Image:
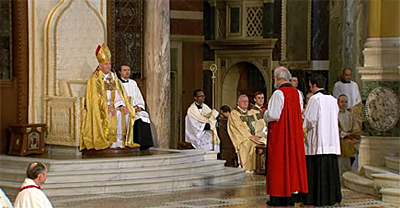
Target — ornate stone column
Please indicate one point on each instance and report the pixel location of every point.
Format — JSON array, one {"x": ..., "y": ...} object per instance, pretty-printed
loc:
[
  {"x": 347, "y": 34},
  {"x": 335, "y": 41},
  {"x": 157, "y": 69},
  {"x": 380, "y": 84}
]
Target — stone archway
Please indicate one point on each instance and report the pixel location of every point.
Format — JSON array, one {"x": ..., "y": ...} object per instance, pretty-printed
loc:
[{"x": 238, "y": 79}]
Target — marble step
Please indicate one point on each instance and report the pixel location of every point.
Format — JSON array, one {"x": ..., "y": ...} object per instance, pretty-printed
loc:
[
  {"x": 386, "y": 180},
  {"x": 392, "y": 162},
  {"x": 118, "y": 186},
  {"x": 391, "y": 195},
  {"x": 369, "y": 170},
  {"x": 71, "y": 176},
  {"x": 359, "y": 183},
  {"x": 55, "y": 165}
]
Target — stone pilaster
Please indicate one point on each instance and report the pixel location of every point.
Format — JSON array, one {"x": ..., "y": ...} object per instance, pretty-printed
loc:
[
  {"x": 348, "y": 29},
  {"x": 157, "y": 69},
  {"x": 380, "y": 83},
  {"x": 268, "y": 19},
  {"x": 335, "y": 41}
]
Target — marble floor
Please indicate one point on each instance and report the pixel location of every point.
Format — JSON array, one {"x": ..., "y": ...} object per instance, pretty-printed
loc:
[{"x": 248, "y": 192}]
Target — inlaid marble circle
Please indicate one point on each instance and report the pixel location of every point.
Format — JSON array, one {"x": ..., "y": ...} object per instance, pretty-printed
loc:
[{"x": 382, "y": 108}]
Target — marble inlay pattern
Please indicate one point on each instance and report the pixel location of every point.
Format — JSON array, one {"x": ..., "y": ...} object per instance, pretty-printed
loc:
[
  {"x": 247, "y": 192},
  {"x": 382, "y": 108},
  {"x": 368, "y": 87},
  {"x": 157, "y": 69},
  {"x": 320, "y": 30}
]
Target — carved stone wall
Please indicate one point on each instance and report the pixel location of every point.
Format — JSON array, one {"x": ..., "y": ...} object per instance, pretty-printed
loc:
[
  {"x": 228, "y": 55},
  {"x": 380, "y": 76},
  {"x": 62, "y": 58}
]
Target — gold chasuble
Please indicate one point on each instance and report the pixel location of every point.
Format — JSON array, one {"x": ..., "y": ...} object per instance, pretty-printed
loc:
[
  {"x": 99, "y": 128},
  {"x": 356, "y": 111},
  {"x": 350, "y": 133},
  {"x": 261, "y": 122},
  {"x": 241, "y": 127}
]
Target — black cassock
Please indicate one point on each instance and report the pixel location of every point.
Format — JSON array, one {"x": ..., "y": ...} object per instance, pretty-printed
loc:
[{"x": 142, "y": 134}]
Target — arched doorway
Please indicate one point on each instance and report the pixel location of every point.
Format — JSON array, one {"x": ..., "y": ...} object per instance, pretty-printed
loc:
[{"x": 242, "y": 78}]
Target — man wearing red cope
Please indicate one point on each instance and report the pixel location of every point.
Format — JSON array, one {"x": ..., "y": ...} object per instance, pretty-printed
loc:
[{"x": 286, "y": 172}]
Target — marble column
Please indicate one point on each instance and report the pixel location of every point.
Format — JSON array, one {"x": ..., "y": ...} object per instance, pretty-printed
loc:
[
  {"x": 335, "y": 41},
  {"x": 380, "y": 79},
  {"x": 354, "y": 34},
  {"x": 320, "y": 30},
  {"x": 347, "y": 36},
  {"x": 157, "y": 69},
  {"x": 268, "y": 19},
  {"x": 296, "y": 48}
]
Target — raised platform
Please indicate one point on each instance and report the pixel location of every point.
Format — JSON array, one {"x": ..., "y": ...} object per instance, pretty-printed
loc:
[
  {"x": 163, "y": 169},
  {"x": 111, "y": 152}
]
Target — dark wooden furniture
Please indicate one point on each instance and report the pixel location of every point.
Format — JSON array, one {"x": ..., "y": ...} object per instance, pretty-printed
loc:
[
  {"x": 27, "y": 139},
  {"x": 112, "y": 152},
  {"x": 260, "y": 159}
]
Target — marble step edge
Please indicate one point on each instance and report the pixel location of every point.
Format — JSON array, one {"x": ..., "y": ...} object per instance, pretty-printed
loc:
[
  {"x": 368, "y": 170},
  {"x": 121, "y": 170},
  {"x": 392, "y": 162},
  {"x": 358, "y": 183},
  {"x": 391, "y": 195},
  {"x": 122, "y": 182},
  {"x": 147, "y": 172},
  {"x": 386, "y": 180},
  {"x": 393, "y": 158},
  {"x": 99, "y": 163},
  {"x": 130, "y": 185},
  {"x": 391, "y": 191},
  {"x": 170, "y": 183},
  {"x": 387, "y": 176},
  {"x": 174, "y": 154}
]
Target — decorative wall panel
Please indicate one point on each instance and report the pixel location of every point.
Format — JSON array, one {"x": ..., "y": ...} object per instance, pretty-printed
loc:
[
  {"x": 128, "y": 36},
  {"x": 64, "y": 120},
  {"x": 5, "y": 40},
  {"x": 254, "y": 21}
]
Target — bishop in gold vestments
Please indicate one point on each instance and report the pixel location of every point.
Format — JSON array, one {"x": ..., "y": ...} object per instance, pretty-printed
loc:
[
  {"x": 246, "y": 131},
  {"x": 108, "y": 120}
]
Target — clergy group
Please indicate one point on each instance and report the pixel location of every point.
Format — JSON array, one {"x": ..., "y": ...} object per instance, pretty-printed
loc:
[
  {"x": 306, "y": 149},
  {"x": 300, "y": 168}
]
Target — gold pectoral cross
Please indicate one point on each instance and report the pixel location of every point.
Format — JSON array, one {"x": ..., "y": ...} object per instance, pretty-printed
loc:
[
  {"x": 110, "y": 83},
  {"x": 248, "y": 120}
]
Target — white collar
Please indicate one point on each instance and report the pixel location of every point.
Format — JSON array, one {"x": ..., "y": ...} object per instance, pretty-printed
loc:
[
  {"x": 259, "y": 107},
  {"x": 244, "y": 111}
]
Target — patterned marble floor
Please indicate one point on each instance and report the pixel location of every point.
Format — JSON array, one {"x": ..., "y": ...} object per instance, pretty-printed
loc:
[{"x": 248, "y": 192}]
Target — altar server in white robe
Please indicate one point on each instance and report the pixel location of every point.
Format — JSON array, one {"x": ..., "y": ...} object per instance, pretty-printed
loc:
[
  {"x": 200, "y": 124},
  {"x": 142, "y": 130},
  {"x": 322, "y": 145},
  {"x": 350, "y": 89},
  {"x": 30, "y": 194},
  {"x": 4, "y": 201}
]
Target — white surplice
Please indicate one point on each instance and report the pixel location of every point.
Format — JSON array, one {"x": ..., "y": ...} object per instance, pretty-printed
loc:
[
  {"x": 350, "y": 90},
  {"x": 321, "y": 122},
  {"x": 31, "y": 197},
  {"x": 195, "y": 121},
  {"x": 4, "y": 201},
  {"x": 135, "y": 96},
  {"x": 117, "y": 103},
  {"x": 275, "y": 106}
]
